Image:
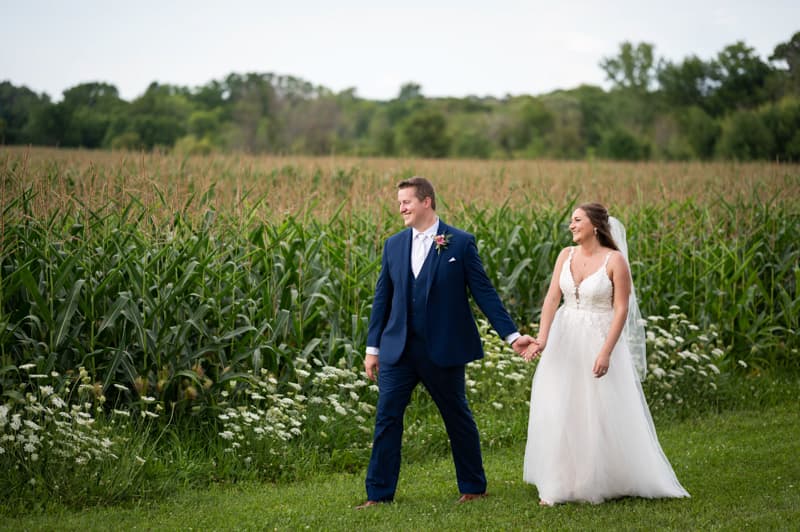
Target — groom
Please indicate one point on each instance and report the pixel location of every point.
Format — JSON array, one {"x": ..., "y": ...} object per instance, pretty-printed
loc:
[{"x": 422, "y": 329}]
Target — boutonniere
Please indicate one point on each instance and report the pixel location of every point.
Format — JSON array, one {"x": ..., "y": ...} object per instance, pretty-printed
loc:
[{"x": 441, "y": 241}]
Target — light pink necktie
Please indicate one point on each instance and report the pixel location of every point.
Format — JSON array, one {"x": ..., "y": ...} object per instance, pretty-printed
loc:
[{"x": 418, "y": 253}]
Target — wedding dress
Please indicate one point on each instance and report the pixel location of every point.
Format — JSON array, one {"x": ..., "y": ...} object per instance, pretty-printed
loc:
[{"x": 591, "y": 439}]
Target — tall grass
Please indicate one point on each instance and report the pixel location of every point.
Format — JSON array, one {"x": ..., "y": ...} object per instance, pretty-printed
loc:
[
  {"x": 206, "y": 287},
  {"x": 141, "y": 289}
]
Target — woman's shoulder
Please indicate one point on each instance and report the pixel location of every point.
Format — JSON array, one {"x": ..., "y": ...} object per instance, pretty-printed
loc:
[
  {"x": 616, "y": 259},
  {"x": 614, "y": 254}
]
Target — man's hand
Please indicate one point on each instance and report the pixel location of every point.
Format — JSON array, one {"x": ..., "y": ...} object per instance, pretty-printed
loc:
[
  {"x": 371, "y": 366},
  {"x": 522, "y": 343}
]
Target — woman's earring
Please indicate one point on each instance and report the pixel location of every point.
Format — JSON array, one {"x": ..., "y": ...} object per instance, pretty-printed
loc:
[{"x": 595, "y": 231}]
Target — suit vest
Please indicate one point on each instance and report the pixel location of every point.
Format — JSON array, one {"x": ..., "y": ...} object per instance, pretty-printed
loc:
[{"x": 418, "y": 299}]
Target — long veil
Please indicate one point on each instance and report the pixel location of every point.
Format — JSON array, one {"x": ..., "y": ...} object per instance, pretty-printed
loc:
[{"x": 633, "y": 332}]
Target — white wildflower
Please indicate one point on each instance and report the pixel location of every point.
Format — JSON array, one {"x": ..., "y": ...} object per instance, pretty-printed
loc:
[{"x": 57, "y": 401}]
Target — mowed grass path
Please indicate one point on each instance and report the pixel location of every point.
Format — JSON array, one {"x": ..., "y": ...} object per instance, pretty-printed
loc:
[{"x": 741, "y": 468}]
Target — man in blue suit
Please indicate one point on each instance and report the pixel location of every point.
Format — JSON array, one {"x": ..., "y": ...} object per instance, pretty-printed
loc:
[{"x": 422, "y": 329}]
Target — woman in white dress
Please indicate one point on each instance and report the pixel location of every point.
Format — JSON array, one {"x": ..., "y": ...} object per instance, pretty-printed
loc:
[{"x": 590, "y": 433}]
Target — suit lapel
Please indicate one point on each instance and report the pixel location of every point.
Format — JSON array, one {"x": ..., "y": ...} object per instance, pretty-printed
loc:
[
  {"x": 405, "y": 259},
  {"x": 443, "y": 229}
]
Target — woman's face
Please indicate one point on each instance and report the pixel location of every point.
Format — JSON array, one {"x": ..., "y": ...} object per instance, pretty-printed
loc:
[{"x": 580, "y": 226}]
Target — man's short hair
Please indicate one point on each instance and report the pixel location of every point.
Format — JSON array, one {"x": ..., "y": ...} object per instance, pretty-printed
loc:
[{"x": 422, "y": 188}]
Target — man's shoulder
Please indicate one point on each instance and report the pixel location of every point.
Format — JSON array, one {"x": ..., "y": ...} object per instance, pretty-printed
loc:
[
  {"x": 397, "y": 236},
  {"x": 458, "y": 235},
  {"x": 445, "y": 228}
]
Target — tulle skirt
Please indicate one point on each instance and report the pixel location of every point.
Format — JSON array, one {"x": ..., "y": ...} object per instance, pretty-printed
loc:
[{"x": 591, "y": 439}]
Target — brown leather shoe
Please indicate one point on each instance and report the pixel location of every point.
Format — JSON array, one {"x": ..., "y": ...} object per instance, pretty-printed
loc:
[
  {"x": 466, "y": 497},
  {"x": 367, "y": 504}
]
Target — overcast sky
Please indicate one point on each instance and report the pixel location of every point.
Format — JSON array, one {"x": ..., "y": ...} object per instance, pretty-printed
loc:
[{"x": 449, "y": 47}]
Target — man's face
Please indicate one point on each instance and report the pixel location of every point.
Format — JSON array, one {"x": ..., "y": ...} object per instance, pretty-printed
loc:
[{"x": 412, "y": 209}]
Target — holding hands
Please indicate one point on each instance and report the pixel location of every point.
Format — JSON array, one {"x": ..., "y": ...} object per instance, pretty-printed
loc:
[
  {"x": 522, "y": 343},
  {"x": 534, "y": 349}
]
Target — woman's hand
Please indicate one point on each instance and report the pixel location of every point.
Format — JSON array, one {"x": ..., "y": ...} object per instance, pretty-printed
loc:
[
  {"x": 601, "y": 364},
  {"x": 534, "y": 349}
]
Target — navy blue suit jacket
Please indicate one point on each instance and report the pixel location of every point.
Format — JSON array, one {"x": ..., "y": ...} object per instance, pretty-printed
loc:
[{"x": 456, "y": 271}]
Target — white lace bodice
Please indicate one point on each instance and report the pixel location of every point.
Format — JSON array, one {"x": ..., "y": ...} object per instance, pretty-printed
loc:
[{"x": 593, "y": 294}]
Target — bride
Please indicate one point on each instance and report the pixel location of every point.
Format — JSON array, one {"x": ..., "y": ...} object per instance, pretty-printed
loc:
[{"x": 590, "y": 434}]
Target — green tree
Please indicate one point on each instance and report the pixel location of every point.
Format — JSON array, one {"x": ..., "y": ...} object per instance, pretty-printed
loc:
[
  {"x": 783, "y": 121},
  {"x": 745, "y": 137},
  {"x": 685, "y": 84},
  {"x": 468, "y": 136},
  {"x": 566, "y": 140},
  {"x": 18, "y": 105},
  {"x": 740, "y": 77},
  {"x": 701, "y": 131},
  {"x": 159, "y": 116},
  {"x": 596, "y": 114},
  {"x": 632, "y": 68},
  {"x": 424, "y": 133},
  {"x": 623, "y": 145},
  {"x": 789, "y": 53}
]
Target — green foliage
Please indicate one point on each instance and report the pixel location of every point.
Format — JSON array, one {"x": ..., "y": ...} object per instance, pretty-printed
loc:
[
  {"x": 701, "y": 131},
  {"x": 262, "y": 113},
  {"x": 789, "y": 52},
  {"x": 18, "y": 106},
  {"x": 228, "y": 345},
  {"x": 740, "y": 77},
  {"x": 622, "y": 145},
  {"x": 745, "y": 137},
  {"x": 685, "y": 84},
  {"x": 633, "y": 68},
  {"x": 783, "y": 121},
  {"x": 424, "y": 134},
  {"x": 760, "y": 440}
]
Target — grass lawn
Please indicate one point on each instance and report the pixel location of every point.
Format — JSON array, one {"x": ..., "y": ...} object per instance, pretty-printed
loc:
[{"x": 741, "y": 468}]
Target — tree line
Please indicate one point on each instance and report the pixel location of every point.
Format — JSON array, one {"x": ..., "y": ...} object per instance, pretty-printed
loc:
[{"x": 732, "y": 106}]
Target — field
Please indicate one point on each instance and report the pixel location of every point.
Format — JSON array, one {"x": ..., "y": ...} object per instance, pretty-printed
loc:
[{"x": 160, "y": 314}]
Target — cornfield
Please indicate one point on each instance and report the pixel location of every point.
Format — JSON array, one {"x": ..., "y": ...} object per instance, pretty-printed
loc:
[{"x": 164, "y": 274}]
